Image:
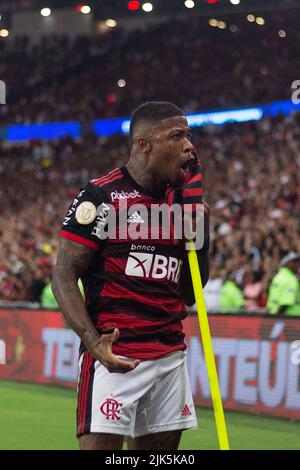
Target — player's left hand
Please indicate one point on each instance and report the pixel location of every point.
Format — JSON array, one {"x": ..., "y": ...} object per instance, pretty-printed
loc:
[{"x": 101, "y": 350}]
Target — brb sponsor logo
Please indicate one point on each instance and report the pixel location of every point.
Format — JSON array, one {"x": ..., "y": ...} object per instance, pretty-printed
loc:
[
  {"x": 111, "y": 409},
  {"x": 153, "y": 266},
  {"x": 118, "y": 195}
]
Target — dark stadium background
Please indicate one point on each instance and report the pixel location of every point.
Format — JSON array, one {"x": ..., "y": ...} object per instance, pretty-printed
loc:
[{"x": 216, "y": 56}]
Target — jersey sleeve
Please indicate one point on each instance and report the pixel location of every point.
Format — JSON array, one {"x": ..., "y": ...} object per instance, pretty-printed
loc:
[{"x": 81, "y": 223}]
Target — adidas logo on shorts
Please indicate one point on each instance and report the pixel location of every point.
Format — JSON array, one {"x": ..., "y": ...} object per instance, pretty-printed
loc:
[{"x": 185, "y": 411}]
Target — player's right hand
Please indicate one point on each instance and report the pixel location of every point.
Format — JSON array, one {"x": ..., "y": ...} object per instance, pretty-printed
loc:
[
  {"x": 190, "y": 192},
  {"x": 102, "y": 352},
  {"x": 189, "y": 196}
]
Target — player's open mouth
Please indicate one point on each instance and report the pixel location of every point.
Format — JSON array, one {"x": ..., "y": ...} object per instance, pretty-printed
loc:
[{"x": 185, "y": 167}]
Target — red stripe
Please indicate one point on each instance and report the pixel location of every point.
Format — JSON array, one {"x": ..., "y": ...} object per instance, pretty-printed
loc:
[
  {"x": 150, "y": 350},
  {"x": 80, "y": 240},
  {"x": 114, "y": 264},
  {"x": 118, "y": 177},
  {"x": 109, "y": 175},
  {"x": 196, "y": 176},
  {"x": 85, "y": 398},
  {"x": 107, "y": 179},
  {"x": 193, "y": 192},
  {"x": 116, "y": 290}
]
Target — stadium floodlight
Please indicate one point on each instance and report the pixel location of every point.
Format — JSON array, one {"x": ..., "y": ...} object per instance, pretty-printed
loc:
[
  {"x": 208, "y": 348},
  {"x": 213, "y": 22},
  {"x": 189, "y": 3},
  {"x": 222, "y": 25},
  {"x": 111, "y": 23},
  {"x": 45, "y": 11},
  {"x": 85, "y": 9},
  {"x": 147, "y": 7},
  {"x": 4, "y": 33},
  {"x": 260, "y": 21}
]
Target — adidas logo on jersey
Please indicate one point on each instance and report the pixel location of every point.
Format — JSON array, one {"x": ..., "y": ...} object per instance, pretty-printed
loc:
[
  {"x": 153, "y": 266},
  {"x": 135, "y": 218}
]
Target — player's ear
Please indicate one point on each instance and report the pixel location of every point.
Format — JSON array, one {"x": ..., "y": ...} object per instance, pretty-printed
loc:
[{"x": 144, "y": 144}]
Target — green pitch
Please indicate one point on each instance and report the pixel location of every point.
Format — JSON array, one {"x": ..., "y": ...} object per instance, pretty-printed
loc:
[{"x": 43, "y": 417}]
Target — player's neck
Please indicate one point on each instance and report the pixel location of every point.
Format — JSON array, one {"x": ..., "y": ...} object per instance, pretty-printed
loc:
[{"x": 144, "y": 177}]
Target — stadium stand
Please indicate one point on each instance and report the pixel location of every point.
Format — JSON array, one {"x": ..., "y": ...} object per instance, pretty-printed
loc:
[{"x": 214, "y": 68}]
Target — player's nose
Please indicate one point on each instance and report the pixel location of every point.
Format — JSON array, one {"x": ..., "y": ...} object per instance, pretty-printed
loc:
[{"x": 188, "y": 146}]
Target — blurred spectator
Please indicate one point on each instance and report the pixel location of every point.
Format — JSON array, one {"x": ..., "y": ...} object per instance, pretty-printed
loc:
[
  {"x": 48, "y": 300},
  {"x": 231, "y": 297},
  {"x": 37, "y": 286},
  {"x": 284, "y": 294},
  {"x": 253, "y": 290},
  {"x": 212, "y": 290}
]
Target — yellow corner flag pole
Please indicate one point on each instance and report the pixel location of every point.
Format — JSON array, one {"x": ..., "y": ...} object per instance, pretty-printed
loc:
[{"x": 208, "y": 348}]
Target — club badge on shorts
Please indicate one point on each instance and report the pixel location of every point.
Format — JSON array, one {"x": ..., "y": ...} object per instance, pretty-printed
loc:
[
  {"x": 111, "y": 409},
  {"x": 85, "y": 213}
]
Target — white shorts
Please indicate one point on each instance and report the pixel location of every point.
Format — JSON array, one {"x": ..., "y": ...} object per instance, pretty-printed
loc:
[{"x": 154, "y": 397}]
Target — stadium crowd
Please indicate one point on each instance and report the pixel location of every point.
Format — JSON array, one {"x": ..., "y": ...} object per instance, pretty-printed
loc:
[
  {"x": 199, "y": 67},
  {"x": 251, "y": 183}
]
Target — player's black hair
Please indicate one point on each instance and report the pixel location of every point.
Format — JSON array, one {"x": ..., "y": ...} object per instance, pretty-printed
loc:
[{"x": 153, "y": 112}]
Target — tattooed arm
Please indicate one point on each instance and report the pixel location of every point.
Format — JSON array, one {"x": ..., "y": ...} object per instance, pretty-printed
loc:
[{"x": 72, "y": 262}]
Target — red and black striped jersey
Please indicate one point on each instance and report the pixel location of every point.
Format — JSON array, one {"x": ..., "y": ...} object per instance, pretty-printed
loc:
[{"x": 133, "y": 282}]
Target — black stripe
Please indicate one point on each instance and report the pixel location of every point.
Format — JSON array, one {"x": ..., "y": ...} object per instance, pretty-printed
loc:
[
  {"x": 143, "y": 336},
  {"x": 139, "y": 310},
  {"x": 192, "y": 199}
]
